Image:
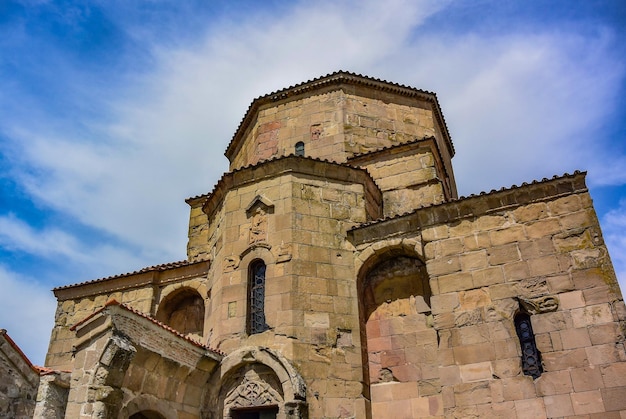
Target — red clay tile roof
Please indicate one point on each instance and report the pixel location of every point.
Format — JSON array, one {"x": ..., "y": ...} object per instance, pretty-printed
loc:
[
  {"x": 17, "y": 349},
  {"x": 220, "y": 183},
  {"x": 39, "y": 370},
  {"x": 339, "y": 77},
  {"x": 155, "y": 268},
  {"x": 152, "y": 320},
  {"x": 461, "y": 198}
]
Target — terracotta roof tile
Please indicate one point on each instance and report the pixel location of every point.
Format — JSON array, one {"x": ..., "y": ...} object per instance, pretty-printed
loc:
[
  {"x": 270, "y": 160},
  {"x": 17, "y": 349},
  {"x": 154, "y": 268},
  {"x": 335, "y": 78},
  {"x": 152, "y": 320},
  {"x": 461, "y": 198}
]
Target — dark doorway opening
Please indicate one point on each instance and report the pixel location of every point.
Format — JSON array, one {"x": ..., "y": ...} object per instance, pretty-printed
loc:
[
  {"x": 146, "y": 414},
  {"x": 257, "y": 413}
]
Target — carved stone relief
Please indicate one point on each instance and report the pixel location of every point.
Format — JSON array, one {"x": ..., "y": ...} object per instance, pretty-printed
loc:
[
  {"x": 540, "y": 305},
  {"x": 534, "y": 296},
  {"x": 258, "y": 226},
  {"x": 284, "y": 253},
  {"x": 257, "y": 388},
  {"x": 231, "y": 263}
]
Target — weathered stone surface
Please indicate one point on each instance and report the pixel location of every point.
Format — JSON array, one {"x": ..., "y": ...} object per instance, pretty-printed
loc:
[{"x": 380, "y": 293}]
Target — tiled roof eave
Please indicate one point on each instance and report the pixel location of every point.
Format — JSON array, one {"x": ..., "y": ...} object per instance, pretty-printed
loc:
[
  {"x": 493, "y": 192},
  {"x": 155, "y": 268},
  {"x": 127, "y": 308},
  {"x": 216, "y": 196},
  {"x": 337, "y": 79}
]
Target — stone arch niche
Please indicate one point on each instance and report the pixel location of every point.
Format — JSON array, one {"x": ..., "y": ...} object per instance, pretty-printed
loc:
[
  {"x": 398, "y": 341},
  {"x": 183, "y": 310},
  {"x": 147, "y": 406},
  {"x": 255, "y": 382}
]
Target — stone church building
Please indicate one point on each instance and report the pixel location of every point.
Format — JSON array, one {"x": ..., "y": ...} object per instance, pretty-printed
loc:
[{"x": 333, "y": 272}]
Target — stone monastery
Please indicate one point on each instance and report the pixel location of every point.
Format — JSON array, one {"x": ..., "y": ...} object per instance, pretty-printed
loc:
[{"x": 333, "y": 272}]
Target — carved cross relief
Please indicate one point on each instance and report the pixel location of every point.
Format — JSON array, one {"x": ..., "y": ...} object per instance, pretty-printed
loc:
[{"x": 252, "y": 392}]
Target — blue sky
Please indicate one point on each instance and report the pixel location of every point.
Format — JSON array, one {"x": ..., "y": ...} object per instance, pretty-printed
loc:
[{"x": 113, "y": 112}]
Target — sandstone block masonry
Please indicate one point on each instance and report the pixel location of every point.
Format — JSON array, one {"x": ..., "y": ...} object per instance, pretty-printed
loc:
[{"x": 333, "y": 272}]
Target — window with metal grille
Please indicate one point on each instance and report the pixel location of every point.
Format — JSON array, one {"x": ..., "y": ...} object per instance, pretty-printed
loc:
[
  {"x": 256, "y": 298},
  {"x": 531, "y": 357},
  {"x": 299, "y": 148}
]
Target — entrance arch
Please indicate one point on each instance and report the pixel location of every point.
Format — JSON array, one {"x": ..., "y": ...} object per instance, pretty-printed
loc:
[{"x": 255, "y": 383}]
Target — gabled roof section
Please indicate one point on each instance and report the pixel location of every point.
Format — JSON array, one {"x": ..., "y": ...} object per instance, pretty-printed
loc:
[
  {"x": 115, "y": 307},
  {"x": 335, "y": 81},
  {"x": 12, "y": 352}
]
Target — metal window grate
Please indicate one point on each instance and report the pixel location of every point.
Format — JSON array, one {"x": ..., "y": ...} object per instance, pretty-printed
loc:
[
  {"x": 531, "y": 357},
  {"x": 256, "y": 323}
]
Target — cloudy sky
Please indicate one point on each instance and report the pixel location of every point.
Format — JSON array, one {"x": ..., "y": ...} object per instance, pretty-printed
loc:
[{"x": 113, "y": 112}]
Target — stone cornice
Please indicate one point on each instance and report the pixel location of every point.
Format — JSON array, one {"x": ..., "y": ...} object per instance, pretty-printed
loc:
[
  {"x": 384, "y": 153},
  {"x": 315, "y": 168},
  {"x": 472, "y": 206},
  {"x": 335, "y": 81},
  {"x": 159, "y": 274}
]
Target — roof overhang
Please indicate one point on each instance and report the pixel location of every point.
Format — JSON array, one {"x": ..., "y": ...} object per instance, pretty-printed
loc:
[{"x": 340, "y": 80}]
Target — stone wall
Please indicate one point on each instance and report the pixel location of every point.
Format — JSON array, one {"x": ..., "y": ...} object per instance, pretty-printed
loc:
[
  {"x": 142, "y": 290},
  {"x": 311, "y": 306},
  {"x": 410, "y": 175},
  {"x": 334, "y": 126},
  {"x": 537, "y": 249},
  {"x": 384, "y": 295},
  {"x": 18, "y": 381}
]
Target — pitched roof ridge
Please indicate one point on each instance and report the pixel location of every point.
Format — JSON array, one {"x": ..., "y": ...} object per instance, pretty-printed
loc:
[{"x": 3, "y": 332}]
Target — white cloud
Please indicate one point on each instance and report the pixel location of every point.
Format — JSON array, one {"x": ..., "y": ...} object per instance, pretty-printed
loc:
[
  {"x": 55, "y": 244},
  {"x": 520, "y": 106},
  {"x": 17, "y": 235},
  {"x": 29, "y": 318},
  {"x": 165, "y": 143}
]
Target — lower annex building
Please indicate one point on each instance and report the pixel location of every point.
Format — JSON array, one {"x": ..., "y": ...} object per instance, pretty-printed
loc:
[{"x": 333, "y": 272}]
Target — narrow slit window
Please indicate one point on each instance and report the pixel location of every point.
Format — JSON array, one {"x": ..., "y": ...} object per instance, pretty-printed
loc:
[
  {"x": 299, "y": 148},
  {"x": 256, "y": 298},
  {"x": 531, "y": 357}
]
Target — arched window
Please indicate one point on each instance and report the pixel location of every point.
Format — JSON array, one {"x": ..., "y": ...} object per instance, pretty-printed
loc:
[
  {"x": 183, "y": 310},
  {"x": 299, "y": 148},
  {"x": 531, "y": 357},
  {"x": 256, "y": 298}
]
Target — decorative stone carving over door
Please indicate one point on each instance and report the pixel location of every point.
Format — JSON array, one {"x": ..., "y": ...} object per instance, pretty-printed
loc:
[
  {"x": 252, "y": 392},
  {"x": 255, "y": 382}
]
